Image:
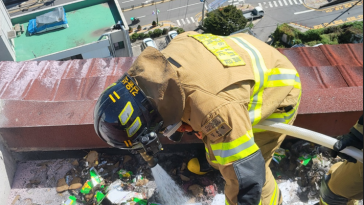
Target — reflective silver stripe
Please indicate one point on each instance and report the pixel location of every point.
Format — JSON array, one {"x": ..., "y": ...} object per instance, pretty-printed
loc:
[
  {"x": 297, "y": 79},
  {"x": 261, "y": 76},
  {"x": 277, "y": 119},
  {"x": 234, "y": 151},
  {"x": 284, "y": 77}
]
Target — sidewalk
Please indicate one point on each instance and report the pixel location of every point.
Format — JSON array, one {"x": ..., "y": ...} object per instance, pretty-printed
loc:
[
  {"x": 317, "y": 4},
  {"x": 149, "y": 27}
]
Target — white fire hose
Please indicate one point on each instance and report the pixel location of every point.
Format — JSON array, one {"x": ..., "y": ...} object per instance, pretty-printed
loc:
[{"x": 308, "y": 135}]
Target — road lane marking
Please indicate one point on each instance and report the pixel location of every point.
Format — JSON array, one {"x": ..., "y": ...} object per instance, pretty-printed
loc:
[
  {"x": 285, "y": 2},
  {"x": 188, "y": 21},
  {"x": 127, "y": 1},
  {"x": 295, "y": 1},
  {"x": 270, "y": 4},
  {"x": 140, "y": 17},
  {"x": 302, "y": 12},
  {"x": 301, "y": 1},
  {"x": 290, "y": 2},
  {"x": 193, "y": 20},
  {"x": 206, "y": 7},
  {"x": 260, "y": 5},
  {"x": 183, "y": 21},
  {"x": 236, "y": 3},
  {"x": 185, "y": 6},
  {"x": 275, "y": 4},
  {"x": 179, "y": 24},
  {"x": 280, "y": 3}
]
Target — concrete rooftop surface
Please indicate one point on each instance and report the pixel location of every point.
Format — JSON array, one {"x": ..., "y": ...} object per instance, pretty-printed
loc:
[
  {"x": 48, "y": 105},
  {"x": 86, "y": 25}
]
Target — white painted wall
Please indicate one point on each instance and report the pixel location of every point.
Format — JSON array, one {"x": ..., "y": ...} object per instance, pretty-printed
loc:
[
  {"x": 99, "y": 53},
  {"x": 120, "y": 35},
  {"x": 7, "y": 52},
  {"x": 95, "y": 46}
]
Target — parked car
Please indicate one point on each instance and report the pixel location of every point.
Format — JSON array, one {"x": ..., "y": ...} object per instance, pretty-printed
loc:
[
  {"x": 257, "y": 12},
  {"x": 149, "y": 42},
  {"x": 172, "y": 35}
]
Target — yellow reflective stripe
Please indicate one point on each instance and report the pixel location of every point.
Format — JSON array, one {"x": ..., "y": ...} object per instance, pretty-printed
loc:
[
  {"x": 233, "y": 144},
  {"x": 226, "y": 202},
  {"x": 226, "y": 152},
  {"x": 217, "y": 46},
  {"x": 260, "y": 202},
  {"x": 242, "y": 154},
  {"x": 208, "y": 156},
  {"x": 285, "y": 117},
  {"x": 278, "y": 77},
  {"x": 322, "y": 201},
  {"x": 259, "y": 68},
  {"x": 112, "y": 98},
  {"x": 274, "y": 199},
  {"x": 282, "y": 83},
  {"x": 116, "y": 95}
]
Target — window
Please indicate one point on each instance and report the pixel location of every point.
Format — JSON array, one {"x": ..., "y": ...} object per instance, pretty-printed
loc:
[{"x": 119, "y": 45}]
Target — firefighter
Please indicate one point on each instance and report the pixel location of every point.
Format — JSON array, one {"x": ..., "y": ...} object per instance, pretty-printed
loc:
[
  {"x": 343, "y": 184},
  {"x": 218, "y": 87}
]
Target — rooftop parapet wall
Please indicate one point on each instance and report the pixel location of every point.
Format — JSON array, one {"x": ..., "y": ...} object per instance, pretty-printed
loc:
[
  {"x": 48, "y": 105},
  {"x": 72, "y": 6}
]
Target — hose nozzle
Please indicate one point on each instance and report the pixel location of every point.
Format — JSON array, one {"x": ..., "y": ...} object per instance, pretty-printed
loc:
[{"x": 152, "y": 162}]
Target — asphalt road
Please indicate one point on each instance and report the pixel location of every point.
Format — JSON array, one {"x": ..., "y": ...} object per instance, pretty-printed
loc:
[
  {"x": 297, "y": 13},
  {"x": 183, "y": 13}
]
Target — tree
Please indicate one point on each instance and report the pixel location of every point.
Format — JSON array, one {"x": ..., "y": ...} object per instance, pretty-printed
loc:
[
  {"x": 130, "y": 29},
  {"x": 224, "y": 21},
  {"x": 139, "y": 27},
  {"x": 165, "y": 31},
  {"x": 154, "y": 24}
]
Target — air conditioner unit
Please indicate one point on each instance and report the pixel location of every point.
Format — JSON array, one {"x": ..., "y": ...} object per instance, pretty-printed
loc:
[{"x": 11, "y": 34}]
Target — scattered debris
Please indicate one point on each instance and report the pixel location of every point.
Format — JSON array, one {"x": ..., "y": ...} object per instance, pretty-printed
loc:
[
  {"x": 197, "y": 190},
  {"x": 75, "y": 183},
  {"x": 100, "y": 179},
  {"x": 184, "y": 178},
  {"x": 62, "y": 185},
  {"x": 92, "y": 159}
]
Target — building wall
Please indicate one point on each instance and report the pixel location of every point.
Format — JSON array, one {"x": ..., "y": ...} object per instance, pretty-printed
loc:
[
  {"x": 88, "y": 50},
  {"x": 7, "y": 171},
  {"x": 7, "y": 52},
  {"x": 99, "y": 53},
  {"x": 122, "y": 36}
]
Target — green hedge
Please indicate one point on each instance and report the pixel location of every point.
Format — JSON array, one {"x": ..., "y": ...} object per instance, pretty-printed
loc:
[{"x": 331, "y": 35}]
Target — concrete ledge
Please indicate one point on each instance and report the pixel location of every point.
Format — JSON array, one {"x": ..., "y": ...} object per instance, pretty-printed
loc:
[{"x": 7, "y": 171}]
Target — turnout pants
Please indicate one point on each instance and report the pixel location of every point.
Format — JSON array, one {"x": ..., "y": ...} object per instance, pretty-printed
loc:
[{"x": 268, "y": 142}]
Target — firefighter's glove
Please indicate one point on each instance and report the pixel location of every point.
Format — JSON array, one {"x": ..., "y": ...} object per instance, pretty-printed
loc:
[{"x": 344, "y": 141}]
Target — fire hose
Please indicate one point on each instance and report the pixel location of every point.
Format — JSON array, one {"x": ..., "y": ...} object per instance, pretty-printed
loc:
[{"x": 308, "y": 135}]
